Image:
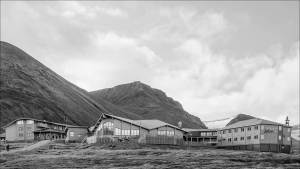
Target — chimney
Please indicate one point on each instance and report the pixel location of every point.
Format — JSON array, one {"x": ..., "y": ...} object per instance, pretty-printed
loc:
[{"x": 180, "y": 124}]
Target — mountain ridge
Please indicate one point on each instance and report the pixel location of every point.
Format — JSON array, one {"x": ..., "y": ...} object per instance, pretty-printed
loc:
[{"x": 148, "y": 102}]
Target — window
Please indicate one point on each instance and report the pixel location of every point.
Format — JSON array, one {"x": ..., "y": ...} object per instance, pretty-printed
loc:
[
  {"x": 288, "y": 139},
  {"x": 29, "y": 122},
  {"x": 256, "y": 127},
  {"x": 20, "y": 134},
  {"x": 72, "y": 134},
  {"x": 249, "y": 138},
  {"x": 229, "y": 131},
  {"x": 117, "y": 131},
  {"x": 262, "y": 127},
  {"x": 256, "y": 137},
  {"x": 235, "y": 139},
  {"x": 20, "y": 122},
  {"x": 203, "y": 134},
  {"x": 125, "y": 132},
  {"x": 29, "y": 134},
  {"x": 288, "y": 130},
  {"x": 242, "y": 138},
  {"x": 20, "y": 128},
  {"x": 29, "y": 128},
  {"x": 242, "y": 129},
  {"x": 236, "y": 130},
  {"x": 249, "y": 129},
  {"x": 262, "y": 137},
  {"x": 170, "y": 133},
  {"x": 279, "y": 137},
  {"x": 224, "y": 131},
  {"x": 135, "y": 132},
  {"x": 161, "y": 132},
  {"x": 214, "y": 133},
  {"x": 209, "y": 134},
  {"x": 108, "y": 128},
  {"x": 280, "y": 128},
  {"x": 229, "y": 139}
]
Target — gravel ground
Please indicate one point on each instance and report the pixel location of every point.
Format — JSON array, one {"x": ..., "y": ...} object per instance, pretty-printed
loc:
[{"x": 97, "y": 157}]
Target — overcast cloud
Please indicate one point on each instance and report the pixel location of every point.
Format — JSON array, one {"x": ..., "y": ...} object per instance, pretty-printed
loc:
[{"x": 218, "y": 59}]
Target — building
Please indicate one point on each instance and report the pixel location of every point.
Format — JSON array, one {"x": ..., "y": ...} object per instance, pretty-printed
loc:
[
  {"x": 147, "y": 130},
  {"x": 256, "y": 134},
  {"x": 200, "y": 137},
  {"x": 76, "y": 133},
  {"x": 29, "y": 129},
  {"x": 2, "y": 137}
]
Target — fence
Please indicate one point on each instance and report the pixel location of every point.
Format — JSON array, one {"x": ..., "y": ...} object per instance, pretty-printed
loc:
[{"x": 167, "y": 140}]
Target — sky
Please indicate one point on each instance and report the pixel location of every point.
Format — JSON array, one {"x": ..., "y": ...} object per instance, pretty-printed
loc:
[{"x": 218, "y": 59}]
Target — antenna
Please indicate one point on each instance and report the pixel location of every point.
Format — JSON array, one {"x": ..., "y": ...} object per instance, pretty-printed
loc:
[{"x": 287, "y": 121}]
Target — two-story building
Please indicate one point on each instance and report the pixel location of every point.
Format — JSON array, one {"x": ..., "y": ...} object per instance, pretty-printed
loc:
[
  {"x": 256, "y": 134},
  {"x": 29, "y": 129},
  {"x": 200, "y": 137}
]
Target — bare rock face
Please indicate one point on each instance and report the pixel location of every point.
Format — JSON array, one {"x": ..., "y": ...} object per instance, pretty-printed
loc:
[
  {"x": 30, "y": 89},
  {"x": 240, "y": 117},
  {"x": 149, "y": 103}
]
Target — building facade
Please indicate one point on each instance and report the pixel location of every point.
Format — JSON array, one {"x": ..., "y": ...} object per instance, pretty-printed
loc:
[
  {"x": 200, "y": 137},
  {"x": 146, "y": 130},
  {"x": 256, "y": 134},
  {"x": 29, "y": 129},
  {"x": 76, "y": 133}
]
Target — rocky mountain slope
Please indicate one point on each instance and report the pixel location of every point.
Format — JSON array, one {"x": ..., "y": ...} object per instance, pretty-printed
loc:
[
  {"x": 240, "y": 117},
  {"x": 30, "y": 89},
  {"x": 149, "y": 103}
]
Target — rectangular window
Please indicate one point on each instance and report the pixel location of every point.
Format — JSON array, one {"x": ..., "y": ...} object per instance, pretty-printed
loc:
[
  {"x": 29, "y": 128},
  {"x": 256, "y": 127},
  {"x": 209, "y": 134},
  {"x": 262, "y": 136},
  {"x": 256, "y": 137},
  {"x": 249, "y": 129},
  {"x": 235, "y": 139},
  {"x": 117, "y": 131},
  {"x": 280, "y": 128},
  {"x": 288, "y": 130},
  {"x": 229, "y": 131},
  {"x": 279, "y": 137},
  {"x": 72, "y": 134},
  {"x": 288, "y": 139},
  {"x": 203, "y": 134},
  {"x": 161, "y": 132},
  {"x": 20, "y": 134},
  {"x": 29, "y": 134},
  {"x": 29, "y": 122},
  {"x": 242, "y": 138},
  {"x": 236, "y": 130},
  {"x": 229, "y": 139},
  {"x": 249, "y": 138},
  {"x": 242, "y": 129},
  {"x": 20, "y": 128},
  {"x": 224, "y": 131},
  {"x": 20, "y": 122}
]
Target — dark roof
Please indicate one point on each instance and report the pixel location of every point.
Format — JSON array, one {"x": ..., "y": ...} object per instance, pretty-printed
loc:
[
  {"x": 146, "y": 124},
  {"x": 252, "y": 122},
  {"x": 25, "y": 118}
]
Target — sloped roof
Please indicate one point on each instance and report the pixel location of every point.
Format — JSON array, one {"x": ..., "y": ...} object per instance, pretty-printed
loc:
[
  {"x": 146, "y": 124},
  {"x": 252, "y": 122},
  {"x": 26, "y": 118}
]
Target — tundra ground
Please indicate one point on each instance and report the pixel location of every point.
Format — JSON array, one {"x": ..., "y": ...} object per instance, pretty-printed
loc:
[{"x": 145, "y": 157}]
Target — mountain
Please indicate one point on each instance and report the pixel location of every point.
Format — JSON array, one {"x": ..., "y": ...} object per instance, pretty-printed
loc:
[
  {"x": 240, "y": 117},
  {"x": 148, "y": 103},
  {"x": 30, "y": 89}
]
